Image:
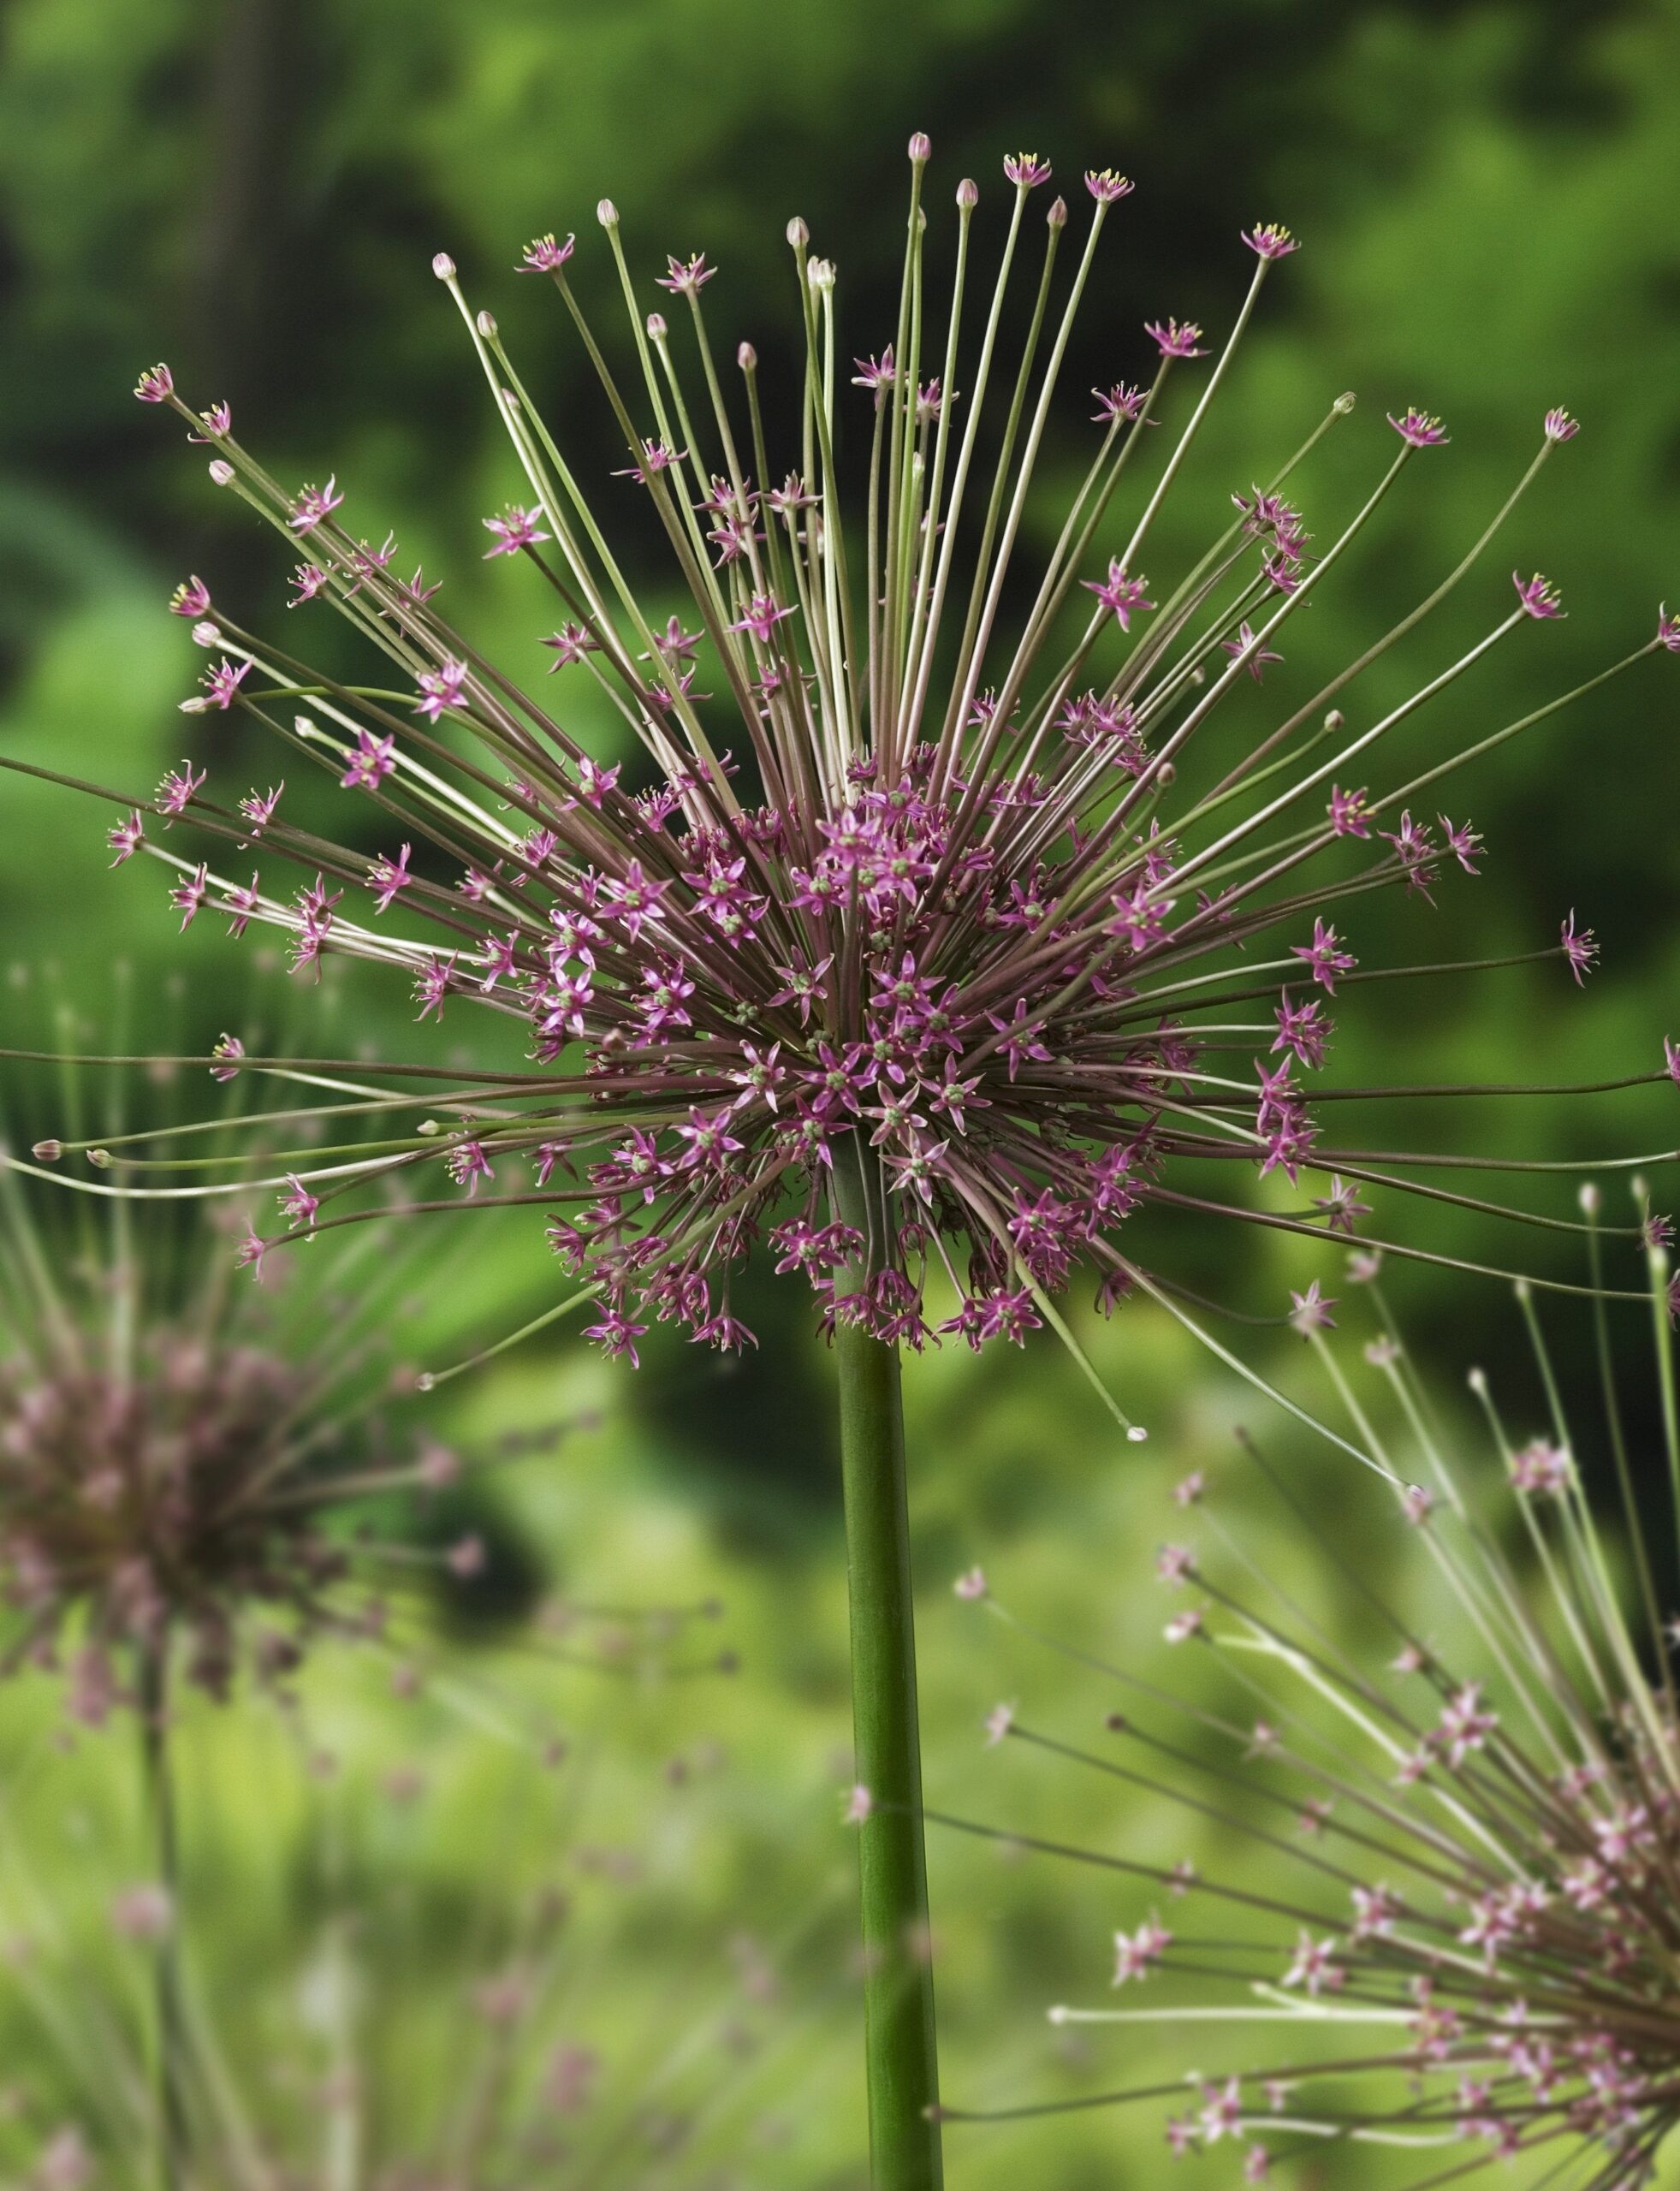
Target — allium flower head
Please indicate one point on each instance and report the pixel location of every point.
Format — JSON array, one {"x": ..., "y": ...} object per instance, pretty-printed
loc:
[
  {"x": 1270, "y": 240},
  {"x": 886, "y": 934},
  {"x": 180, "y": 1464},
  {"x": 1419, "y": 430},
  {"x": 1474, "y": 1934}
]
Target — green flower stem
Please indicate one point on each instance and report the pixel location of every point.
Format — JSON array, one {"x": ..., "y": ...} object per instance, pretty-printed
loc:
[
  {"x": 897, "y": 1985},
  {"x": 170, "y": 2037}
]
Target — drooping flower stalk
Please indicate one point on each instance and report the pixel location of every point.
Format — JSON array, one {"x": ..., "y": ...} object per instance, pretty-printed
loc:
[
  {"x": 983, "y": 902},
  {"x": 1460, "y": 1935}
]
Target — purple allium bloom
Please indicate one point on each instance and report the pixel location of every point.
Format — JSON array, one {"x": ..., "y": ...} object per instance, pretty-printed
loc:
[
  {"x": 440, "y": 688},
  {"x": 242, "y": 902},
  {"x": 308, "y": 578},
  {"x": 126, "y": 838},
  {"x": 387, "y": 878},
  {"x": 1324, "y": 956},
  {"x": 372, "y": 761},
  {"x": 515, "y": 529},
  {"x": 222, "y": 682},
  {"x": 1579, "y": 948},
  {"x": 1668, "y": 632},
  {"x": 191, "y": 598},
  {"x": 1350, "y": 812},
  {"x": 217, "y": 423},
  {"x": 906, "y": 922},
  {"x": 687, "y": 277},
  {"x": 1419, "y": 429},
  {"x": 761, "y": 617},
  {"x": 1269, "y": 240},
  {"x": 1464, "y": 844},
  {"x": 1176, "y": 339},
  {"x": 258, "y": 808},
  {"x": 656, "y": 456},
  {"x": 1671, "y": 1060},
  {"x": 1026, "y": 169},
  {"x": 1246, "y": 650},
  {"x": 177, "y": 789},
  {"x": 155, "y": 385},
  {"x": 1560, "y": 426},
  {"x": 313, "y": 505},
  {"x": 1124, "y": 596},
  {"x": 1105, "y": 187},
  {"x": 1537, "y": 596},
  {"x": 188, "y": 894},
  {"x": 544, "y": 256},
  {"x": 1120, "y": 403}
]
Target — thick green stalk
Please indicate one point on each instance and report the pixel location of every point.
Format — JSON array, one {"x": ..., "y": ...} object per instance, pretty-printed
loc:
[
  {"x": 170, "y": 2037},
  {"x": 898, "y": 1983}
]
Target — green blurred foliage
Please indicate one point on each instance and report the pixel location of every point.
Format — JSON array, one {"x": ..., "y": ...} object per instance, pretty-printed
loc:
[{"x": 254, "y": 191}]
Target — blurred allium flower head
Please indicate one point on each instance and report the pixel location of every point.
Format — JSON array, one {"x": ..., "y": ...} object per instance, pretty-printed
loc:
[
  {"x": 1456, "y": 1941},
  {"x": 193, "y": 1471},
  {"x": 951, "y": 885}
]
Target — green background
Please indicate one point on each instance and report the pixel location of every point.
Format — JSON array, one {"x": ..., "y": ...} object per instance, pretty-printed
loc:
[{"x": 1486, "y": 196}]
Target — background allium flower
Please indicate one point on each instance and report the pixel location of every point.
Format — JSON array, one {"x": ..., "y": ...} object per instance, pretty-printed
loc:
[
  {"x": 1464, "y": 1948},
  {"x": 906, "y": 941},
  {"x": 197, "y": 1479}
]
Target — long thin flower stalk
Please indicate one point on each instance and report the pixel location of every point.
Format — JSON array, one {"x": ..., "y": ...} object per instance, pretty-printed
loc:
[
  {"x": 169, "y": 2036},
  {"x": 930, "y": 836}
]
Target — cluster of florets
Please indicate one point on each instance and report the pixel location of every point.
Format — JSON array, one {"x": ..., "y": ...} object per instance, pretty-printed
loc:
[
  {"x": 919, "y": 984},
  {"x": 134, "y": 1510},
  {"x": 1471, "y": 1874}
]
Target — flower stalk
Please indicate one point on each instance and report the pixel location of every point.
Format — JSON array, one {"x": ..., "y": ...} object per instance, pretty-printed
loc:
[
  {"x": 170, "y": 2037},
  {"x": 898, "y": 1982}
]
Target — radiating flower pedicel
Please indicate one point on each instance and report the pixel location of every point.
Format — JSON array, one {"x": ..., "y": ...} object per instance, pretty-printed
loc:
[
  {"x": 911, "y": 924},
  {"x": 1458, "y": 1940}
]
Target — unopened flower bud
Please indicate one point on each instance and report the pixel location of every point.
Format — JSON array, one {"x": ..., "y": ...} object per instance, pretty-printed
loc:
[
  {"x": 655, "y": 327},
  {"x": 1590, "y": 1198},
  {"x": 1344, "y": 402},
  {"x": 921, "y": 148},
  {"x": 798, "y": 234},
  {"x": 1057, "y": 216},
  {"x": 100, "y": 1159},
  {"x": 486, "y": 324},
  {"x": 221, "y": 472},
  {"x": 606, "y": 213},
  {"x": 820, "y": 273},
  {"x": 1334, "y": 720},
  {"x": 968, "y": 193},
  {"x": 205, "y": 635},
  {"x": 47, "y": 1152},
  {"x": 443, "y": 266},
  {"x": 747, "y": 358}
]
